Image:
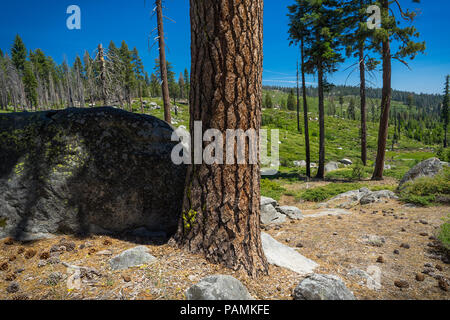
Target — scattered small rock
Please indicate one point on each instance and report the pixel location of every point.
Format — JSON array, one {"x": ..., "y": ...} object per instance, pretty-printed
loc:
[
  {"x": 107, "y": 242},
  {"x": 70, "y": 246},
  {"x": 423, "y": 221},
  {"x": 20, "y": 250},
  {"x": 92, "y": 251},
  {"x": 439, "y": 267},
  {"x": 396, "y": 251},
  {"x": 405, "y": 246},
  {"x": 54, "y": 278},
  {"x": 54, "y": 260},
  {"x": 12, "y": 258},
  {"x": 13, "y": 287},
  {"x": 423, "y": 234},
  {"x": 299, "y": 245},
  {"x": 420, "y": 277},
  {"x": 42, "y": 263},
  {"x": 428, "y": 270},
  {"x": 380, "y": 259},
  {"x": 105, "y": 253},
  {"x": 443, "y": 284}
]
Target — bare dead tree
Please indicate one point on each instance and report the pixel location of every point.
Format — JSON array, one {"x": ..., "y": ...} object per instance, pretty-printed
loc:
[{"x": 162, "y": 61}]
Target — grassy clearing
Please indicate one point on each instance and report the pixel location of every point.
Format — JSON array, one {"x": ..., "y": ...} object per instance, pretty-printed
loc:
[{"x": 277, "y": 188}]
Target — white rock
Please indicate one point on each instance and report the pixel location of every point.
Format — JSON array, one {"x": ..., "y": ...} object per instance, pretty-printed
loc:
[
  {"x": 283, "y": 256},
  {"x": 293, "y": 213}
]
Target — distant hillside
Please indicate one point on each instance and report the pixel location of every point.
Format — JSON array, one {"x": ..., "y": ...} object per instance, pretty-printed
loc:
[{"x": 429, "y": 102}]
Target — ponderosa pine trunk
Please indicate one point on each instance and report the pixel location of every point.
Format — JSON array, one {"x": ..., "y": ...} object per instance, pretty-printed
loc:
[
  {"x": 362, "y": 90},
  {"x": 305, "y": 111},
  {"x": 162, "y": 62},
  {"x": 385, "y": 105},
  {"x": 321, "y": 169},
  {"x": 221, "y": 209}
]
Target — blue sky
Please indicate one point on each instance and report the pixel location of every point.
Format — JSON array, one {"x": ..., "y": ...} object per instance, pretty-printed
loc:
[{"x": 42, "y": 24}]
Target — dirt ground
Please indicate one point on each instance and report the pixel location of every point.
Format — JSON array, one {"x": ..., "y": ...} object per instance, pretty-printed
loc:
[{"x": 334, "y": 242}]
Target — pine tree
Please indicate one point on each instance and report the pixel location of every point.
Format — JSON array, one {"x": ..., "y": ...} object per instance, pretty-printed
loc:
[
  {"x": 182, "y": 85},
  {"x": 391, "y": 30},
  {"x": 299, "y": 34},
  {"x": 321, "y": 22},
  {"x": 19, "y": 54},
  {"x": 444, "y": 114},
  {"x": 351, "y": 110},
  {"x": 129, "y": 76},
  {"x": 268, "y": 101},
  {"x": 291, "y": 101},
  {"x": 30, "y": 84},
  {"x": 155, "y": 87},
  {"x": 355, "y": 38},
  {"x": 186, "y": 82}
]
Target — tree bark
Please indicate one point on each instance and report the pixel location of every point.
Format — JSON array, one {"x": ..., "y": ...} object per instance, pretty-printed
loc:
[
  {"x": 222, "y": 202},
  {"x": 162, "y": 63},
  {"x": 305, "y": 112},
  {"x": 362, "y": 89},
  {"x": 321, "y": 169},
  {"x": 385, "y": 105}
]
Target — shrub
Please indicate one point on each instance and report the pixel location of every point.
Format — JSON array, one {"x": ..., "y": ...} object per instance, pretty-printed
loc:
[
  {"x": 271, "y": 189},
  {"x": 358, "y": 170},
  {"x": 424, "y": 191},
  {"x": 443, "y": 154}
]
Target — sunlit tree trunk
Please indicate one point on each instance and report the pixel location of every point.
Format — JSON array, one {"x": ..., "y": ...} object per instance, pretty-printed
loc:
[
  {"x": 162, "y": 62},
  {"x": 385, "y": 105},
  {"x": 221, "y": 209}
]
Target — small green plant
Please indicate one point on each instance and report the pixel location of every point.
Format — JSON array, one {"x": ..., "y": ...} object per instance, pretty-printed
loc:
[
  {"x": 358, "y": 170},
  {"x": 189, "y": 219},
  {"x": 3, "y": 222}
]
